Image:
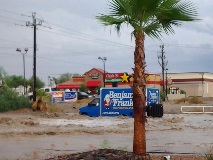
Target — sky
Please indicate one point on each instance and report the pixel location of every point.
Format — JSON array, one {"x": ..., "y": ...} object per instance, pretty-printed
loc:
[{"x": 70, "y": 40}]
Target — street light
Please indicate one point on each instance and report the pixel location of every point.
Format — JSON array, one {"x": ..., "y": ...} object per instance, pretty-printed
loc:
[
  {"x": 26, "y": 50},
  {"x": 166, "y": 81},
  {"x": 103, "y": 60}
]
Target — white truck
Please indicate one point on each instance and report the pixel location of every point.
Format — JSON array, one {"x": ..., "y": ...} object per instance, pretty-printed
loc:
[
  {"x": 118, "y": 101},
  {"x": 45, "y": 89}
]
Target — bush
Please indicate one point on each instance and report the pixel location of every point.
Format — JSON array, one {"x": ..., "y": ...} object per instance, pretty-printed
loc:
[
  {"x": 195, "y": 100},
  {"x": 209, "y": 156},
  {"x": 208, "y": 150},
  {"x": 162, "y": 96},
  {"x": 182, "y": 100},
  {"x": 182, "y": 92},
  {"x": 192, "y": 100},
  {"x": 10, "y": 100},
  {"x": 46, "y": 97}
]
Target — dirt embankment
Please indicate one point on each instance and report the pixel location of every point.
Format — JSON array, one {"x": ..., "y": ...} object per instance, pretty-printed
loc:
[{"x": 66, "y": 120}]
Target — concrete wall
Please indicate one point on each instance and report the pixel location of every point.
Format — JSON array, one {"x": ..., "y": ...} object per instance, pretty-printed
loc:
[
  {"x": 194, "y": 84},
  {"x": 175, "y": 96}
]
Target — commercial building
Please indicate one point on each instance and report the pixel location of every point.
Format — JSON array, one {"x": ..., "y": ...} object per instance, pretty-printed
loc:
[
  {"x": 193, "y": 83},
  {"x": 95, "y": 78}
]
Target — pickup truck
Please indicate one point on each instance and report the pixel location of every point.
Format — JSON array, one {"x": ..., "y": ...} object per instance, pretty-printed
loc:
[{"x": 46, "y": 89}]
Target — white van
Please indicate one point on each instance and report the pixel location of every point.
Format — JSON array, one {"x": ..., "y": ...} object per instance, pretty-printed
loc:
[{"x": 48, "y": 89}]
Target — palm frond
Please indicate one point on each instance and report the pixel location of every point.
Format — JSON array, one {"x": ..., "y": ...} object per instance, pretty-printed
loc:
[
  {"x": 120, "y": 8},
  {"x": 108, "y": 20},
  {"x": 187, "y": 11},
  {"x": 153, "y": 30},
  {"x": 174, "y": 12},
  {"x": 150, "y": 16}
]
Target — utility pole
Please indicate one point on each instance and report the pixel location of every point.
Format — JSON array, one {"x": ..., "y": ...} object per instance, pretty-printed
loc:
[
  {"x": 34, "y": 24},
  {"x": 163, "y": 63},
  {"x": 103, "y": 60},
  {"x": 166, "y": 83}
]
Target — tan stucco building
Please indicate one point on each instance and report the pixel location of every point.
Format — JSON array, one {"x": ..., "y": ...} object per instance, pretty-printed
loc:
[{"x": 193, "y": 83}]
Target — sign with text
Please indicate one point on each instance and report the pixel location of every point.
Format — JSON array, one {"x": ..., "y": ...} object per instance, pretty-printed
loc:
[
  {"x": 94, "y": 75},
  {"x": 152, "y": 95},
  {"x": 70, "y": 96},
  {"x": 116, "y": 100},
  {"x": 118, "y": 77},
  {"x": 57, "y": 96}
]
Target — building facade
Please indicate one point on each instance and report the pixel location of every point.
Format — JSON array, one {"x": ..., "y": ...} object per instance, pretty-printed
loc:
[
  {"x": 95, "y": 78},
  {"x": 193, "y": 83}
]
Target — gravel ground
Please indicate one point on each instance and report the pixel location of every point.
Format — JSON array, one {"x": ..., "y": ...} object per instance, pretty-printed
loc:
[
  {"x": 25, "y": 122},
  {"x": 111, "y": 154}
]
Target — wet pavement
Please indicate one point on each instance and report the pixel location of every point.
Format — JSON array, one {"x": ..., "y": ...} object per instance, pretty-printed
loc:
[{"x": 195, "y": 137}]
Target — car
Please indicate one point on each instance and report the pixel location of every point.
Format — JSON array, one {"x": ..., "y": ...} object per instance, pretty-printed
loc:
[{"x": 82, "y": 95}]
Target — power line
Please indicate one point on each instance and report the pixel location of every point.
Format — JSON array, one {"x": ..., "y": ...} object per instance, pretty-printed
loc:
[
  {"x": 9, "y": 11},
  {"x": 80, "y": 33},
  {"x": 92, "y": 38},
  {"x": 85, "y": 38},
  {"x": 86, "y": 35},
  {"x": 190, "y": 46}
]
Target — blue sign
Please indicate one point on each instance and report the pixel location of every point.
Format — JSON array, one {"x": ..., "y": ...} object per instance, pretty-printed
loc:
[
  {"x": 116, "y": 101},
  {"x": 152, "y": 96},
  {"x": 70, "y": 96}
]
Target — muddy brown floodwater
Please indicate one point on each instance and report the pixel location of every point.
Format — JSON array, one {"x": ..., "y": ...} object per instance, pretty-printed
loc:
[{"x": 28, "y": 135}]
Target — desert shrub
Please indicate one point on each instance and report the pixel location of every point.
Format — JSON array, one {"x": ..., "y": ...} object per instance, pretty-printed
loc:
[
  {"x": 52, "y": 109},
  {"x": 182, "y": 100},
  {"x": 105, "y": 144},
  {"x": 46, "y": 97},
  {"x": 40, "y": 93},
  {"x": 182, "y": 92},
  {"x": 195, "y": 100},
  {"x": 10, "y": 100},
  {"x": 209, "y": 156},
  {"x": 192, "y": 100},
  {"x": 208, "y": 151}
]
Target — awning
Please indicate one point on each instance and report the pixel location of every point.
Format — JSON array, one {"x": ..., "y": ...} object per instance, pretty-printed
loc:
[
  {"x": 93, "y": 83},
  {"x": 67, "y": 86},
  {"x": 168, "y": 82}
]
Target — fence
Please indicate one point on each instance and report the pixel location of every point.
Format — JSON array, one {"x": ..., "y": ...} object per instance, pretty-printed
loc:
[{"x": 202, "y": 107}]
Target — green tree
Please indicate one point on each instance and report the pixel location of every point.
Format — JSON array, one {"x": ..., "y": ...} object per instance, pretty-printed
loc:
[
  {"x": 64, "y": 77},
  {"x": 14, "y": 81},
  {"x": 2, "y": 73},
  {"x": 39, "y": 83},
  {"x": 83, "y": 88},
  {"x": 151, "y": 18}
]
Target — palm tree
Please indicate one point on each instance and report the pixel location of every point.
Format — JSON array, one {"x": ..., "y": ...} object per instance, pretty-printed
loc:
[{"x": 151, "y": 18}]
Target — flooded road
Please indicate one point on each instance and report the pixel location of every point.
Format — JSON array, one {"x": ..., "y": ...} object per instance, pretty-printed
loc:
[{"x": 193, "y": 135}]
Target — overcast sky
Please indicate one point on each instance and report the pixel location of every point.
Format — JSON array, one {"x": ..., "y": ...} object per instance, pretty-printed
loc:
[{"x": 76, "y": 40}]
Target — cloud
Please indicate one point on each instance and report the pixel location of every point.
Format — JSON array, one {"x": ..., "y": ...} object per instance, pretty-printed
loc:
[{"x": 77, "y": 39}]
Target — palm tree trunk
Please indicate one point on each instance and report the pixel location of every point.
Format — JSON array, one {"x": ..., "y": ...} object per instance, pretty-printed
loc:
[{"x": 139, "y": 98}]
